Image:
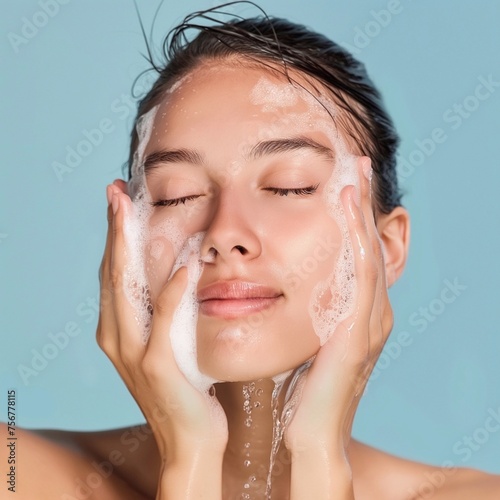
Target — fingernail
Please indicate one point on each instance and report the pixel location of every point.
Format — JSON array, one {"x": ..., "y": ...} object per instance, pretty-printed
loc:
[
  {"x": 367, "y": 168},
  {"x": 115, "y": 202}
]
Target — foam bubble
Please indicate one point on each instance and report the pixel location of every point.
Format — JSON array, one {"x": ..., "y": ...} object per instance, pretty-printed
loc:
[
  {"x": 135, "y": 279},
  {"x": 144, "y": 129},
  {"x": 272, "y": 95},
  {"x": 333, "y": 299},
  {"x": 183, "y": 327},
  {"x": 136, "y": 229},
  {"x": 138, "y": 234}
]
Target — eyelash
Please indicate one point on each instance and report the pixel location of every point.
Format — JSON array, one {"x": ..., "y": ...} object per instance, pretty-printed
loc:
[
  {"x": 279, "y": 191},
  {"x": 298, "y": 191},
  {"x": 174, "y": 202}
]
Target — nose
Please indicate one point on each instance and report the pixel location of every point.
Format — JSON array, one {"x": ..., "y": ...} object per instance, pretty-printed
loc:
[{"x": 230, "y": 235}]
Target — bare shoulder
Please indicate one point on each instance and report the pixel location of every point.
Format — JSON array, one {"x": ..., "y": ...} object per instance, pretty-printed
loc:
[
  {"x": 70, "y": 465},
  {"x": 381, "y": 475}
]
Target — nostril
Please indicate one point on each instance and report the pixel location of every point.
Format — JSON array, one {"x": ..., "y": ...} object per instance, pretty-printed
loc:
[
  {"x": 241, "y": 249},
  {"x": 210, "y": 257}
]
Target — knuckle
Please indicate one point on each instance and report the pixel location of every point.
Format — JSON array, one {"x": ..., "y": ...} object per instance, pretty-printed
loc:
[
  {"x": 106, "y": 344},
  {"x": 359, "y": 356},
  {"x": 105, "y": 298},
  {"x": 104, "y": 266},
  {"x": 360, "y": 360},
  {"x": 115, "y": 229},
  {"x": 163, "y": 304},
  {"x": 128, "y": 362},
  {"x": 115, "y": 278},
  {"x": 101, "y": 272},
  {"x": 371, "y": 271},
  {"x": 376, "y": 244}
]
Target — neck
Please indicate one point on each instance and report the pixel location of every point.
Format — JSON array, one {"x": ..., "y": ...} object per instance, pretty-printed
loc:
[{"x": 249, "y": 410}]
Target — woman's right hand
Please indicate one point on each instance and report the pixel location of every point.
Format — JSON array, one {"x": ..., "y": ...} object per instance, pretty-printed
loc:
[{"x": 190, "y": 430}]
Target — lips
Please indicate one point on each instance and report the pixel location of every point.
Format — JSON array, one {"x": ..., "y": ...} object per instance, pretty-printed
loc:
[{"x": 233, "y": 299}]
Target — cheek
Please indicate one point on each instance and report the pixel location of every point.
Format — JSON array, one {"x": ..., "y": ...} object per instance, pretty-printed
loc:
[
  {"x": 310, "y": 279},
  {"x": 164, "y": 240},
  {"x": 159, "y": 256},
  {"x": 312, "y": 257},
  {"x": 166, "y": 237}
]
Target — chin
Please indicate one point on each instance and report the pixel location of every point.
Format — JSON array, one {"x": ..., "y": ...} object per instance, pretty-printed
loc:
[
  {"x": 240, "y": 365},
  {"x": 237, "y": 368},
  {"x": 233, "y": 353}
]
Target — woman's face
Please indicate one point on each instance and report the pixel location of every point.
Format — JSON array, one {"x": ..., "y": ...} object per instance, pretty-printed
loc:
[{"x": 245, "y": 159}]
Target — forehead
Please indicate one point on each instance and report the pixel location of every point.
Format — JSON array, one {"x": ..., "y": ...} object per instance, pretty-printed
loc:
[{"x": 225, "y": 97}]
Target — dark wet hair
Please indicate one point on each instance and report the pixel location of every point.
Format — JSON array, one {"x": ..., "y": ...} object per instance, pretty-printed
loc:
[{"x": 277, "y": 43}]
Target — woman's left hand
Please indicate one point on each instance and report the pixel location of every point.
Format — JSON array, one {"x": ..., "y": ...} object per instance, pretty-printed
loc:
[{"x": 320, "y": 430}]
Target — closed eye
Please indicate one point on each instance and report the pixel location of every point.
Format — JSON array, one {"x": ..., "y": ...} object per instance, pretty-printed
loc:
[
  {"x": 297, "y": 191},
  {"x": 175, "y": 201}
]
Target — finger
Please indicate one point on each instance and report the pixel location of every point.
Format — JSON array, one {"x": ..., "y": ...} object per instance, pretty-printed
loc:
[
  {"x": 376, "y": 334},
  {"x": 106, "y": 325},
  {"x": 121, "y": 185},
  {"x": 364, "y": 268},
  {"x": 107, "y": 248},
  {"x": 128, "y": 316},
  {"x": 365, "y": 179},
  {"x": 365, "y": 173},
  {"x": 106, "y": 260}
]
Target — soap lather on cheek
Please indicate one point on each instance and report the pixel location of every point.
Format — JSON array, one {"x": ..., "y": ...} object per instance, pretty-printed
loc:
[
  {"x": 139, "y": 235},
  {"x": 185, "y": 320},
  {"x": 136, "y": 230},
  {"x": 333, "y": 299},
  {"x": 144, "y": 242}
]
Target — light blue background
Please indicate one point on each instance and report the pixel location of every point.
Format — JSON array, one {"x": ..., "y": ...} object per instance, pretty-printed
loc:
[{"x": 72, "y": 74}]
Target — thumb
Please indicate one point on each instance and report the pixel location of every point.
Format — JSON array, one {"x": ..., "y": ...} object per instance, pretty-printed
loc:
[{"x": 163, "y": 313}]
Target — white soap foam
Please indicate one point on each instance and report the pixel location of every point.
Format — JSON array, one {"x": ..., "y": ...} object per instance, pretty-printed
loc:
[
  {"x": 144, "y": 129},
  {"x": 139, "y": 233},
  {"x": 271, "y": 95},
  {"x": 183, "y": 328},
  {"x": 333, "y": 299},
  {"x": 136, "y": 229},
  {"x": 339, "y": 289},
  {"x": 340, "y": 285},
  {"x": 136, "y": 283}
]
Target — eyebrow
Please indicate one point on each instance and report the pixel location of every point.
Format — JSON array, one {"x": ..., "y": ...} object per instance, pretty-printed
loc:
[
  {"x": 262, "y": 148},
  {"x": 277, "y": 146},
  {"x": 157, "y": 158}
]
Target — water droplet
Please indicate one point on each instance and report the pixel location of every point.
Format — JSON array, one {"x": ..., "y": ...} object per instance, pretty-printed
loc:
[
  {"x": 247, "y": 445},
  {"x": 256, "y": 404},
  {"x": 260, "y": 392},
  {"x": 247, "y": 463},
  {"x": 246, "y": 486}
]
